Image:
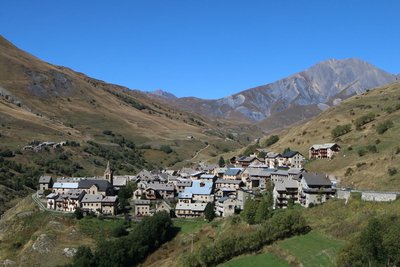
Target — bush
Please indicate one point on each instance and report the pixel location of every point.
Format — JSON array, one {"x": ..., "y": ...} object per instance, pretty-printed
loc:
[
  {"x": 340, "y": 130},
  {"x": 271, "y": 140},
  {"x": 392, "y": 171},
  {"x": 364, "y": 120},
  {"x": 108, "y": 132},
  {"x": 361, "y": 152},
  {"x": 382, "y": 127},
  {"x": 166, "y": 149}
]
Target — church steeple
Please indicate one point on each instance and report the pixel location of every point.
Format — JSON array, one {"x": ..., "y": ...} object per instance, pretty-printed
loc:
[{"x": 108, "y": 173}]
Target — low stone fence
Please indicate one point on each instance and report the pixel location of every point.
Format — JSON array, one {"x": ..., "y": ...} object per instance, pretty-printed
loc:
[{"x": 378, "y": 196}]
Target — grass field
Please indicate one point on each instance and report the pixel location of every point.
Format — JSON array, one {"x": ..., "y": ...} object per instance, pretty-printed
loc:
[
  {"x": 266, "y": 259},
  {"x": 188, "y": 226},
  {"x": 313, "y": 249}
]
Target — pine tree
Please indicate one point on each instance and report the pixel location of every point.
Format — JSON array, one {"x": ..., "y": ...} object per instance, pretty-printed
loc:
[
  {"x": 209, "y": 212},
  {"x": 221, "y": 162}
]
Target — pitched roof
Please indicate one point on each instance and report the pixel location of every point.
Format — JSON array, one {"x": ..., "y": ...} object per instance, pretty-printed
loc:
[
  {"x": 295, "y": 170},
  {"x": 233, "y": 171},
  {"x": 290, "y": 154},
  {"x": 185, "y": 195},
  {"x": 141, "y": 202},
  {"x": 45, "y": 179},
  {"x": 207, "y": 176},
  {"x": 313, "y": 179},
  {"x": 103, "y": 185},
  {"x": 200, "y": 188},
  {"x": 67, "y": 185},
  {"x": 110, "y": 199},
  {"x": 161, "y": 186},
  {"x": 228, "y": 181},
  {"x": 247, "y": 159},
  {"x": 89, "y": 198},
  {"x": 120, "y": 180},
  {"x": 282, "y": 185},
  {"x": 223, "y": 199},
  {"x": 324, "y": 146},
  {"x": 272, "y": 155}
]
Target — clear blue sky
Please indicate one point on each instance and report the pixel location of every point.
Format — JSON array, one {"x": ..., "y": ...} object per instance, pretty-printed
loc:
[{"x": 203, "y": 48}]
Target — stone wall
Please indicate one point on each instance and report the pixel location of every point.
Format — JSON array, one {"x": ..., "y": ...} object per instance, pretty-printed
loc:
[{"x": 379, "y": 197}]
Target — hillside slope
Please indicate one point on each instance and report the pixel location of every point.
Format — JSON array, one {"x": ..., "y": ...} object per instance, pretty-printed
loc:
[
  {"x": 43, "y": 102},
  {"x": 368, "y": 159}
]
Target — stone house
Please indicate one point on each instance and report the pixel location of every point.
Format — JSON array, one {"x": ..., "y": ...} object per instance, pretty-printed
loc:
[
  {"x": 46, "y": 183},
  {"x": 233, "y": 173},
  {"x": 142, "y": 207},
  {"x": 292, "y": 159},
  {"x": 285, "y": 191},
  {"x": 92, "y": 203},
  {"x": 225, "y": 206},
  {"x": 224, "y": 183},
  {"x": 190, "y": 210},
  {"x": 314, "y": 189}
]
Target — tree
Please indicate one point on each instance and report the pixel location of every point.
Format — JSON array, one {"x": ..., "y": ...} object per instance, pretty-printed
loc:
[
  {"x": 78, "y": 214},
  {"x": 271, "y": 140},
  {"x": 221, "y": 162},
  {"x": 262, "y": 212},
  {"x": 249, "y": 211},
  {"x": 286, "y": 150},
  {"x": 125, "y": 193},
  {"x": 371, "y": 242},
  {"x": 83, "y": 257},
  {"x": 209, "y": 212}
]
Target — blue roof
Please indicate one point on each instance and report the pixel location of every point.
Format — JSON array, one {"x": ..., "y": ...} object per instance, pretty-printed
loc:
[
  {"x": 185, "y": 195},
  {"x": 233, "y": 171},
  {"x": 65, "y": 185},
  {"x": 197, "y": 189}
]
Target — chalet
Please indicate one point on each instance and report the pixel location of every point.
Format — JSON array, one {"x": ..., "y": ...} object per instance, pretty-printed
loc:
[
  {"x": 166, "y": 191},
  {"x": 293, "y": 172},
  {"x": 109, "y": 205},
  {"x": 201, "y": 191},
  {"x": 224, "y": 183},
  {"x": 314, "y": 188},
  {"x": 190, "y": 210},
  {"x": 45, "y": 183},
  {"x": 323, "y": 151},
  {"x": 219, "y": 172},
  {"x": 256, "y": 177},
  {"x": 92, "y": 203},
  {"x": 293, "y": 159},
  {"x": 225, "y": 206},
  {"x": 224, "y": 192},
  {"x": 285, "y": 191},
  {"x": 242, "y": 195},
  {"x": 185, "y": 197},
  {"x": 233, "y": 173},
  {"x": 279, "y": 175},
  {"x": 142, "y": 207},
  {"x": 244, "y": 162},
  {"x": 208, "y": 178},
  {"x": 272, "y": 160}
]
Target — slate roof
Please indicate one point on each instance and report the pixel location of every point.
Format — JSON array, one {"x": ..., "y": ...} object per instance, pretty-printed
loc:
[
  {"x": 68, "y": 185},
  {"x": 102, "y": 185},
  {"x": 247, "y": 159},
  {"x": 233, "y": 171},
  {"x": 120, "y": 180},
  {"x": 290, "y": 154},
  {"x": 313, "y": 179},
  {"x": 161, "y": 186},
  {"x": 110, "y": 199},
  {"x": 45, "y": 179},
  {"x": 90, "y": 198},
  {"x": 207, "y": 176},
  {"x": 323, "y": 146},
  {"x": 228, "y": 181},
  {"x": 142, "y": 202},
  {"x": 272, "y": 155},
  {"x": 295, "y": 170},
  {"x": 284, "y": 184}
]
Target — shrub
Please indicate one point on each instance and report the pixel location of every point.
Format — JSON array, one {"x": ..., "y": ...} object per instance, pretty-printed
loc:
[
  {"x": 392, "y": 171},
  {"x": 384, "y": 126},
  {"x": 361, "y": 152},
  {"x": 271, "y": 140},
  {"x": 108, "y": 132},
  {"x": 364, "y": 120},
  {"x": 340, "y": 130},
  {"x": 166, "y": 149}
]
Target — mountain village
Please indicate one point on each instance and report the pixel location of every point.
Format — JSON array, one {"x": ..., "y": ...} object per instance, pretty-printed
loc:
[{"x": 185, "y": 193}]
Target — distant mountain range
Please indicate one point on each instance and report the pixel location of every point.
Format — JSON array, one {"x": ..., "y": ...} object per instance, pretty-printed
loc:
[{"x": 292, "y": 99}]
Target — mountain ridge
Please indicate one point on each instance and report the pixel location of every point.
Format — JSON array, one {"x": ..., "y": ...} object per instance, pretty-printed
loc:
[{"x": 324, "y": 84}]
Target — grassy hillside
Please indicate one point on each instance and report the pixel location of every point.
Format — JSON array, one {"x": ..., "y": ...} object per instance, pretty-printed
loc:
[
  {"x": 367, "y": 155},
  {"x": 44, "y": 102}
]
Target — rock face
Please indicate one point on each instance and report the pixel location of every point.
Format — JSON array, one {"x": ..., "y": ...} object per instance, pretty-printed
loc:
[
  {"x": 43, "y": 244},
  {"x": 69, "y": 252},
  {"x": 324, "y": 84}
]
